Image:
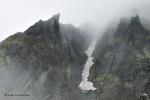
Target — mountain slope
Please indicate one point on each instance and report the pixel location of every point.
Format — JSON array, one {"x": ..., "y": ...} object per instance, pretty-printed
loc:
[
  {"x": 122, "y": 59},
  {"x": 45, "y": 62}
]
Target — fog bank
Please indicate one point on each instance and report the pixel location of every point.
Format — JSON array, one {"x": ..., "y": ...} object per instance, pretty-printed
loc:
[{"x": 18, "y": 15}]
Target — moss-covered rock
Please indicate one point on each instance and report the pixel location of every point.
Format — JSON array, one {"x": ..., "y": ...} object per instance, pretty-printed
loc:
[
  {"x": 122, "y": 60},
  {"x": 48, "y": 57}
]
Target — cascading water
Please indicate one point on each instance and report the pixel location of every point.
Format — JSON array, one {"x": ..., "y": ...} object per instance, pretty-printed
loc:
[{"x": 85, "y": 84}]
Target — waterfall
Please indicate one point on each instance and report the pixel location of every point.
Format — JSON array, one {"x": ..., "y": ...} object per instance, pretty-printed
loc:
[{"x": 85, "y": 84}]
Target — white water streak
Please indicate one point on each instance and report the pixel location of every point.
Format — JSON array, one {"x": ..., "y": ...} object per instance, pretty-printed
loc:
[{"x": 85, "y": 84}]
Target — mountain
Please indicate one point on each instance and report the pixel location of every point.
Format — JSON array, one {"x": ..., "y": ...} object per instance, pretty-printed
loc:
[
  {"x": 121, "y": 69},
  {"x": 45, "y": 62}
]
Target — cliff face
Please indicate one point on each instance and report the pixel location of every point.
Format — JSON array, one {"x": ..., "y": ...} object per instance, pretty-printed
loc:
[
  {"x": 44, "y": 61},
  {"x": 122, "y": 62}
]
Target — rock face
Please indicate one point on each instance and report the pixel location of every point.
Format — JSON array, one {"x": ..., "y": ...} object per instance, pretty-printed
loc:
[
  {"x": 122, "y": 62},
  {"x": 44, "y": 62}
]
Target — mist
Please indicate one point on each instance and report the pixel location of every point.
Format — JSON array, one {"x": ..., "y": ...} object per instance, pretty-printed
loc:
[
  {"x": 14, "y": 81},
  {"x": 18, "y": 15},
  {"x": 91, "y": 16}
]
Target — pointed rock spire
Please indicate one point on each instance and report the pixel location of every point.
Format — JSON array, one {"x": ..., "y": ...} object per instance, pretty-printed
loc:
[{"x": 45, "y": 29}]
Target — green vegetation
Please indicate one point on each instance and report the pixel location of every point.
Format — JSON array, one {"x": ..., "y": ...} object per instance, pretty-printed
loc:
[
  {"x": 3, "y": 60},
  {"x": 17, "y": 38},
  {"x": 143, "y": 55},
  {"x": 108, "y": 86},
  {"x": 21, "y": 40}
]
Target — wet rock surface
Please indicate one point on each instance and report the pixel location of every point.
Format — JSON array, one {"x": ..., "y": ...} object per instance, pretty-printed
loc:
[
  {"x": 121, "y": 68},
  {"x": 45, "y": 61}
]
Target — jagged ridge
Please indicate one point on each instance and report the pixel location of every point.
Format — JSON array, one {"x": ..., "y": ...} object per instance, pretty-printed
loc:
[
  {"x": 50, "y": 62},
  {"x": 122, "y": 58}
]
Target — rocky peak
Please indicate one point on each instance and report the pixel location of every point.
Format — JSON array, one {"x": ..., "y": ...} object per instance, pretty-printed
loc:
[
  {"x": 45, "y": 29},
  {"x": 55, "y": 18},
  {"x": 135, "y": 25},
  {"x": 131, "y": 30},
  {"x": 122, "y": 56},
  {"x": 129, "y": 24},
  {"x": 135, "y": 20},
  {"x": 54, "y": 68}
]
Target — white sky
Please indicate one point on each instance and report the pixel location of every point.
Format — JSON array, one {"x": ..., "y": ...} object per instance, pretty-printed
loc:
[{"x": 18, "y": 15}]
